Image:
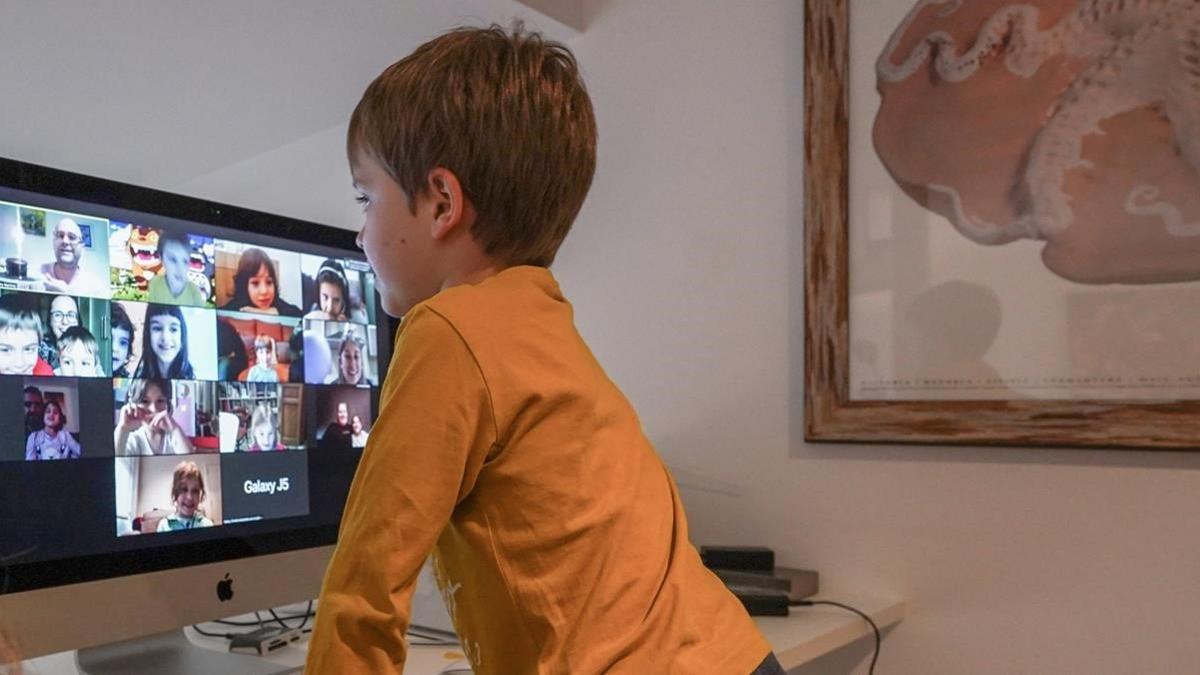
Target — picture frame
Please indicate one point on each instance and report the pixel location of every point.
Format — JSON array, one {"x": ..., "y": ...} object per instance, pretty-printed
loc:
[{"x": 830, "y": 413}]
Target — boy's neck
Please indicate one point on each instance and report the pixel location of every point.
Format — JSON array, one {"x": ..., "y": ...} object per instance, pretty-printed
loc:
[{"x": 175, "y": 291}]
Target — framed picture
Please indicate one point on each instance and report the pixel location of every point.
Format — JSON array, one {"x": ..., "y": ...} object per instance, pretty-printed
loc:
[{"x": 1002, "y": 225}]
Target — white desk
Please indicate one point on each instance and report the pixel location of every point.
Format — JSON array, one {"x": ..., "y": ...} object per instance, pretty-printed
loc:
[{"x": 808, "y": 633}]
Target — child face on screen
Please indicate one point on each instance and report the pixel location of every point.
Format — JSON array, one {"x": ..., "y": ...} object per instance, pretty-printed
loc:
[
  {"x": 52, "y": 418},
  {"x": 356, "y": 424},
  {"x": 330, "y": 299},
  {"x": 350, "y": 362},
  {"x": 76, "y": 360},
  {"x": 154, "y": 400},
  {"x": 120, "y": 347},
  {"x": 188, "y": 499},
  {"x": 263, "y": 354},
  {"x": 175, "y": 259},
  {"x": 165, "y": 338},
  {"x": 261, "y": 288},
  {"x": 264, "y": 436},
  {"x": 18, "y": 351}
]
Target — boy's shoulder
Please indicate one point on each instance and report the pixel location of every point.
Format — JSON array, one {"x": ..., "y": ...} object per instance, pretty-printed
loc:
[
  {"x": 494, "y": 311},
  {"x": 497, "y": 297}
]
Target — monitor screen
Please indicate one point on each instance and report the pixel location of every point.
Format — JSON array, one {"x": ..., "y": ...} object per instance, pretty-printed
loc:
[{"x": 180, "y": 382}]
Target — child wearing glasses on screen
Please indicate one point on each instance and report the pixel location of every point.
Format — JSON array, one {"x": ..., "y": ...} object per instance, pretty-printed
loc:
[
  {"x": 78, "y": 354},
  {"x": 21, "y": 338},
  {"x": 256, "y": 286},
  {"x": 187, "y": 493},
  {"x": 52, "y": 441},
  {"x": 146, "y": 423},
  {"x": 500, "y": 445},
  {"x": 164, "y": 345},
  {"x": 265, "y": 360},
  {"x": 171, "y": 286}
]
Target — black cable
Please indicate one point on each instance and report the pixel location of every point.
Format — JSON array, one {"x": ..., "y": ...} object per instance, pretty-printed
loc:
[
  {"x": 308, "y": 613},
  {"x": 196, "y": 627},
  {"x": 810, "y": 603}
]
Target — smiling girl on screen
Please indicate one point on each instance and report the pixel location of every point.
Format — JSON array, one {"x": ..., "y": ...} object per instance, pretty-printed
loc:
[
  {"x": 146, "y": 425},
  {"x": 350, "y": 366},
  {"x": 164, "y": 345},
  {"x": 187, "y": 492},
  {"x": 334, "y": 301},
  {"x": 256, "y": 286},
  {"x": 52, "y": 441}
]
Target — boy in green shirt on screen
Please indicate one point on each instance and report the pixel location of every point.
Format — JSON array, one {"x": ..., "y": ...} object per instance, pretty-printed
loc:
[
  {"x": 171, "y": 285},
  {"x": 559, "y": 540}
]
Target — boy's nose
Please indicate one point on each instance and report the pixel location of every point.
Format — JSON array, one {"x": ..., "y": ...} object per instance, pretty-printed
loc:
[{"x": 358, "y": 238}]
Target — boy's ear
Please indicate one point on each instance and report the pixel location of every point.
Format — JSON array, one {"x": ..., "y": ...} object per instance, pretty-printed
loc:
[{"x": 451, "y": 210}]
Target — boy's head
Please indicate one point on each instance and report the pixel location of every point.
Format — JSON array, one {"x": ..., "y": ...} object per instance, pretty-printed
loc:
[
  {"x": 78, "y": 354},
  {"x": 486, "y": 127},
  {"x": 20, "y": 335},
  {"x": 175, "y": 252}
]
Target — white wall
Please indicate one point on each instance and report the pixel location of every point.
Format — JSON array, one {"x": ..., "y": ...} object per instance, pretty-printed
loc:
[{"x": 685, "y": 269}]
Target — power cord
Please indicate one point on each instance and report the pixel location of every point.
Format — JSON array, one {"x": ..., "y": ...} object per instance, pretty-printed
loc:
[{"x": 810, "y": 603}]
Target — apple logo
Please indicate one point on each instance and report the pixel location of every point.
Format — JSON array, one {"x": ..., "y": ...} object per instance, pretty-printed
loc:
[{"x": 225, "y": 588}]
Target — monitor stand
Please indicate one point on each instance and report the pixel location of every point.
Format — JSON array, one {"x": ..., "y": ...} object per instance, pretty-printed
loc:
[{"x": 170, "y": 653}]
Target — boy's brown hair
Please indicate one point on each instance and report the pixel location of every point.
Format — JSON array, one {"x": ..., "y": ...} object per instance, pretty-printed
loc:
[{"x": 507, "y": 113}]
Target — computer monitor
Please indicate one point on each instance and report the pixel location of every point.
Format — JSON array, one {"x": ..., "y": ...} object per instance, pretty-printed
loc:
[{"x": 185, "y": 390}]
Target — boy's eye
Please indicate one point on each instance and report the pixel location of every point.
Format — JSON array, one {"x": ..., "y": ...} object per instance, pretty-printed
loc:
[{"x": 362, "y": 200}]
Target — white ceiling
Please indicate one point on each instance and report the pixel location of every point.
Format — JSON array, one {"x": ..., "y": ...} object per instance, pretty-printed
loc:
[{"x": 158, "y": 92}]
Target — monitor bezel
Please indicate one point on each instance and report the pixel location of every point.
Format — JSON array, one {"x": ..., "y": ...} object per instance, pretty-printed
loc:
[{"x": 16, "y": 174}]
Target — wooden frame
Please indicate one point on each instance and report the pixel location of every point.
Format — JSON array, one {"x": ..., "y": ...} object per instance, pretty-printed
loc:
[{"x": 830, "y": 415}]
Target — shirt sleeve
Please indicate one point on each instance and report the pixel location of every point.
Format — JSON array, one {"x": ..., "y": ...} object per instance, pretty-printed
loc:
[{"x": 435, "y": 429}]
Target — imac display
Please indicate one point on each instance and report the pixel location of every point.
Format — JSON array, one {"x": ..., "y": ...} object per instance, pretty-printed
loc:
[{"x": 183, "y": 385}]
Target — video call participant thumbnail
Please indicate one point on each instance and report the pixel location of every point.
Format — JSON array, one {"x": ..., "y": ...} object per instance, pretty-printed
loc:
[
  {"x": 161, "y": 266},
  {"x": 338, "y": 353},
  {"x": 175, "y": 342},
  {"x": 261, "y": 417},
  {"x": 257, "y": 279},
  {"x": 47, "y": 418},
  {"x": 167, "y": 494},
  {"x": 257, "y": 348},
  {"x": 332, "y": 292},
  {"x": 334, "y": 410},
  {"x": 145, "y": 420},
  {"x": 263, "y": 486}
]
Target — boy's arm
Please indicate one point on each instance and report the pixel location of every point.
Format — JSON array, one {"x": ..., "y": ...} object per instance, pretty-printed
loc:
[{"x": 434, "y": 430}]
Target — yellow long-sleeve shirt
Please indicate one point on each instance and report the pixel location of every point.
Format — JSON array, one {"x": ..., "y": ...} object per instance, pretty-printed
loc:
[{"x": 559, "y": 539}]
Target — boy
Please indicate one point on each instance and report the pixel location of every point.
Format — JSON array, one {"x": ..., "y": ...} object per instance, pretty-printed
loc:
[
  {"x": 171, "y": 285},
  {"x": 78, "y": 354},
  {"x": 558, "y": 537},
  {"x": 20, "y": 338}
]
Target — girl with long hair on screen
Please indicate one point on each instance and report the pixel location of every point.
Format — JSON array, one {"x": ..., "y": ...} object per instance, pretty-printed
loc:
[
  {"x": 256, "y": 286},
  {"x": 164, "y": 345}
]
